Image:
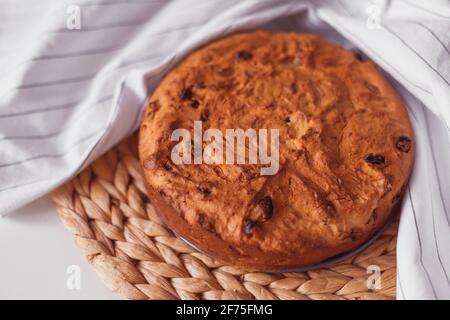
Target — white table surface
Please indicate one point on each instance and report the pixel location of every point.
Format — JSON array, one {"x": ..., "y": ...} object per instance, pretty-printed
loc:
[{"x": 36, "y": 251}]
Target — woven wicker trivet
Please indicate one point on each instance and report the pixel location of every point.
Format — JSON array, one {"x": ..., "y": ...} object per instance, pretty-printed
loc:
[{"x": 136, "y": 256}]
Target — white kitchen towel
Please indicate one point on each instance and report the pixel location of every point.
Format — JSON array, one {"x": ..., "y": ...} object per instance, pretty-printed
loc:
[{"x": 74, "y": 77}]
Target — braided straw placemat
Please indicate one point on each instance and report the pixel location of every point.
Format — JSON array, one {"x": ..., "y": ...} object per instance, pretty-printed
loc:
[{"x": 116, "y": 227}]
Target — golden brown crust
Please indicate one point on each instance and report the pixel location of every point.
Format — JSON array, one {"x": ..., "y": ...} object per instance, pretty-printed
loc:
[{"x": 346, "y": 149}]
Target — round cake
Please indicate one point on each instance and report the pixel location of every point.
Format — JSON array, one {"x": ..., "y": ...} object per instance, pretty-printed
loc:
[{"x": 340, "y": 162}]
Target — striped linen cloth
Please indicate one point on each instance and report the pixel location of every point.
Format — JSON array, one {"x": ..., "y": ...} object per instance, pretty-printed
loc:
[{"x": 67, "y": 95}]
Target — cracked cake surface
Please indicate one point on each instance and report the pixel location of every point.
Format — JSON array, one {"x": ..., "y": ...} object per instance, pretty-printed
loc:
[{"x": 345, "y": 149}]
